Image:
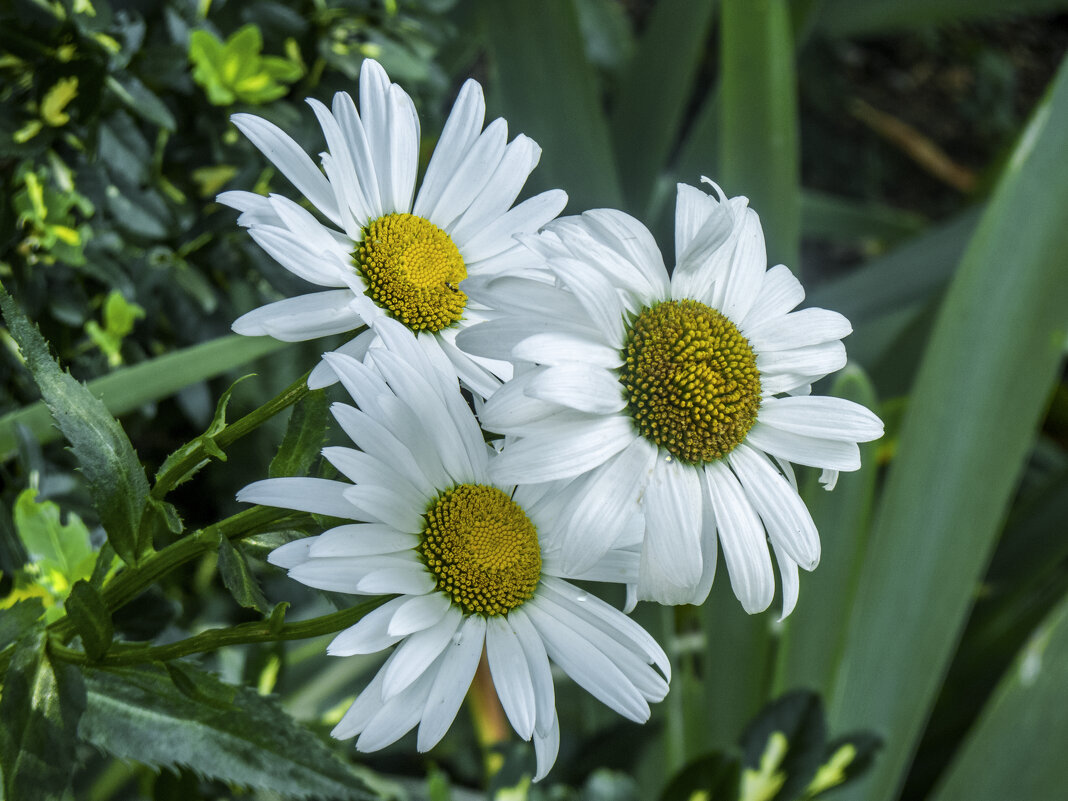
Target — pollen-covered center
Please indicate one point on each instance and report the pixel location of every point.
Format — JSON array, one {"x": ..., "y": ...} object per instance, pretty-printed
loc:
[
  {"x": 482, "y": 548},
  {"x": 413, "y": 271},
  {"x": 690, "y": 380}
]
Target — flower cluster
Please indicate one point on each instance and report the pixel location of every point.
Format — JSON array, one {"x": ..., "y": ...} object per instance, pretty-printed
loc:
[{"x": 639, "y": 420}]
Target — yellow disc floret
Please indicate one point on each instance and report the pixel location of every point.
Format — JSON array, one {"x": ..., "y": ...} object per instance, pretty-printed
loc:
[
  {"x": 690, "y": 380},
  {"x": 413, "y": 271},
  {"x": 482, "y": 548}
]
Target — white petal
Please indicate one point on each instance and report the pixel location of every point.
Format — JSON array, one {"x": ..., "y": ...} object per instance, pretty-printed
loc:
[
  {"x": 292, "y": 553},
  {"x": 573, "y": 449},
  {"x": 541, "y": 677},
  {"x": 343, "y": 176},
  {"x": 520, "y": 157},
  {"x": 374, "y": 113},
  {"x": 461, "y": 130},
  {"x": 671, "y": 565},
  {"x": 790, "y": 582},
  {"x": 369, "y": 635},
  {"x": 376, "y": 503},
  {"x": 366, "y": 706},
  {"x": 587, "y": 665},
  {"x": 799, "y": 449},
  {"x": 581, "y": 387},
  {"x": 323, "y": 374},
  {"x": 317, "y": 495},
  {"x": 814, "y": 360},
  {"x": 410, "y": 580},
  {"x": 359, "y": 151},
  {"x": 745, "y": 275},
  {"x": 452, "y": 682},
  {"x": 361, "y": 539},
  {"x": 822, "y": 416},
  {"x": 418, "y": 652},
  {"x": 693, "y": 208},
  {"x": 596, "y": 295},
  {"x": 546, "y": 748},
  {"x": 404, "y": 151},
  {"x": 779, "y": 293},
  {"x": 397, "y": 716},
  {"x": 787, "y": 520},
  {"x": 511, "y": 675},
  {"x": 798, "y": 329},
  {"x": 418, "y": 613},
  {"x": 303, "y": 317},
  {"x": 557, "y": 348},
  {"x": 346, "y": 573},
  {"x": 526, "y": 218},
  {"x": 290, "y": 160},
  {"x": 742, "y": 539},
  {"x": 471, "y": 175},
  {"x": 634, "y": 242}
]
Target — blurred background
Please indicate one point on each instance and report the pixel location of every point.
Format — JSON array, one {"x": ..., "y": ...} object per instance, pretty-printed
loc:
[{"x": 884, "y": 145}]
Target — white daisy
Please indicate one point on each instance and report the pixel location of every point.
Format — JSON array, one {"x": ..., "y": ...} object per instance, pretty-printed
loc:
[
  {"x": 668, "y": 396},
  {"x": 390, "y": 251},
  {"x": 473, "y": 563}
]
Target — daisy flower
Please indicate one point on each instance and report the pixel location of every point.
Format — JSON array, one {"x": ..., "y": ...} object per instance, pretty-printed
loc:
[
  {"x": 473, "y": 564},
  {"x": 387, "y": 250},
  {"x": 681, "y": 399}
]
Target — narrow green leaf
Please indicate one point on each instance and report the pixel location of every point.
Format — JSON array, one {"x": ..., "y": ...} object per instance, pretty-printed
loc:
[
  {"x": 850, "y": 18},
  {"x": 40, "y": 709},
  {"x": 91, "y": 618},
  {"x": 653, "y": 93},
  {"x": 139, "y": 714},
  {"x": 841, "y": 219},
  {"x": 809, "y": 648},
  {"x": 304, "y": 437},
  {"x": 758, "y": 154},
  {"x": 238, "y": 578},
  {"x": 981, "y": 388},
  {"x": 141, "y": 100},
  {"x": 116, "y": 478},
  {"x": 132, "y": 387},
  {"x": 1016, "y": 750},
  {"x": 545, "y": 87}
]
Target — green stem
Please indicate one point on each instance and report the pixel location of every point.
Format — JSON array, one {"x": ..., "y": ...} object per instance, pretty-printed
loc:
[
  {"x": 131, "y": 582},
  {"x": 243, "y": 634},
  {"x": 178, "y": 471}
]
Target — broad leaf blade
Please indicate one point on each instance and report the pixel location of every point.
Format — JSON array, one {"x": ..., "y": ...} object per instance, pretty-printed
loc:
[
  {"x": 980, "y": 391},
  {"x": 547, "y": 89},
  {"x": 1016, "y": 750},
  {"x": 758, "y": 154},
  {"x": 132, "y": 387},
  {"x": 107, "y": 460},
  {"x": 139, "y": 714},
  {"x": 40, "y": 709},
  {"x": 304, "y": 437},
  {"x": 651, "y": 100}
]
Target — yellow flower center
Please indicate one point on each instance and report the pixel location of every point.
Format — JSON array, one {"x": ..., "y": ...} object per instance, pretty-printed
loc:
[
  {"x": 690, "y": 379},
  {"x": 413, "y": 271},
  {"x": 482, "y": 548}
]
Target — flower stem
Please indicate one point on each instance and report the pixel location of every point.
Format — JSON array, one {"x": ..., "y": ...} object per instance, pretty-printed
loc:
[
  {"x": 268, "y": 630},
  {"x": 201, "y": 448},
  {"x": 491, "y": 725}
]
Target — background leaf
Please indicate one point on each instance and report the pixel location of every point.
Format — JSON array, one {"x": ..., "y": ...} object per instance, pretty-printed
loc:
[
  {"x": 139, "y": 714},
  {"x": 961, "y": 449}
]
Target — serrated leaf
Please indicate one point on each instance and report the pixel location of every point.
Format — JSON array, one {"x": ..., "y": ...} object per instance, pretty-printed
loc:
[
  {"x": 91, "y": 619},
  {"x": 238, "y": 578},
  {"x": 40, "y": 708},
  {"x": 138, "y": 714},
  {"x": 304, "y": 437},
  {"x": 116, "y": 478}
]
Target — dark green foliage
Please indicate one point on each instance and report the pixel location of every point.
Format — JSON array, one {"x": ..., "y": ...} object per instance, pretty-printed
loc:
[
  {"x": 304, "y": 437},
  {"x": 91, "y": 619}
]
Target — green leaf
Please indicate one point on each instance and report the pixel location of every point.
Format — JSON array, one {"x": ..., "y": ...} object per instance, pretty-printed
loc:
[
  {"x": 107, "y": 460},
  {"x": 238, "y": 578},
  {"x": 40, "y": 709},
  {"x": 782, "y": 748},
  {"x": 304, "y": 437},
  {"x": 132, "y": 387},
  {"x": 139, "y": 714},
  {"x": 61, "y": 551},
  {"x": 91, "y": 619},
  {"x": 809, "y": 647},
  {"x": 545, "y": 87},
  {"x": 758, "y": 143},
  {"x": 17, "y": 619},
  {"x": 141, "y": 100},
  {"x": 1016, "y": 750},
  {"x": 850, "y": 18},
  {"x": 841, "y": 219},
  {"x": 713, "y": 777},
  {"x": 980, "y": 392},
  {"x": 650, "y": 104}
]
